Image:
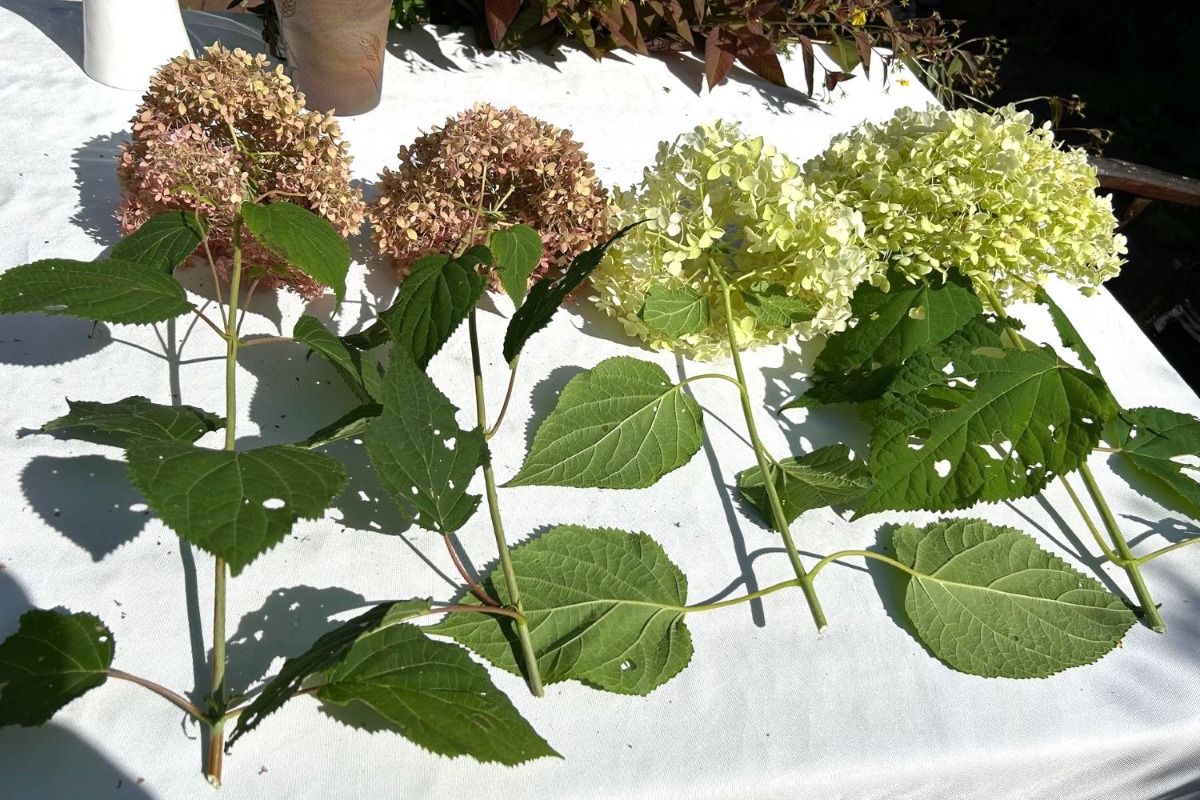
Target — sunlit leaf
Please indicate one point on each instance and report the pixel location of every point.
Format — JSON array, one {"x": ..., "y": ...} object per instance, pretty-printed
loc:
[
  {"x": 517, "y": 251},
  {"x": 136, "y": 416},
  {"x": 52, "y": 659},
  {"x": 306, "y": 240},
  {"x": 775, "y": 307},
  {"x": 163, "y": 242},
  {"x": 358, "y": 370},
  {"x": 988, "y": 601},
  {"x": 825, "y": 477},
  {"x": 110, "y": 290},
  {"x": 1164, "y": 446},
  {"x": 675, "y": 312}
]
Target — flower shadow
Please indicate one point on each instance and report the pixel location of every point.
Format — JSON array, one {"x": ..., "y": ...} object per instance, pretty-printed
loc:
[{"x": 95, "y": 163}]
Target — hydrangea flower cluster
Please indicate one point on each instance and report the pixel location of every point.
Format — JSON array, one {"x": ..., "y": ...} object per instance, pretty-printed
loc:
[
  {"x": 218, "y": 130},
  {"x": 986, "y": 193},
  {"x": 517, "y": 168},
  {"x": 717, "y": 197}
]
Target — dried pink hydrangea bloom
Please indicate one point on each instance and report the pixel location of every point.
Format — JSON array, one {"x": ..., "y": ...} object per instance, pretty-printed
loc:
[
  {"x": 217, "y": 130},
  {"x": 527, "y": 171}
]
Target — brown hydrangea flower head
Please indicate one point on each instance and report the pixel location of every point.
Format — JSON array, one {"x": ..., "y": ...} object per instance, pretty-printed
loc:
[
  {"x": 219, "y": 129},
  {"x": 517, "y": 168}
]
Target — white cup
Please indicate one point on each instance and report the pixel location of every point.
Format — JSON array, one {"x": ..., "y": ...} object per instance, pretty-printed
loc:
[{"x": 125, "y": 41}]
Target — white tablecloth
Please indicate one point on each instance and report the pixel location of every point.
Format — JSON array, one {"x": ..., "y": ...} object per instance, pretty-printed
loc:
[{"x": 766, "y": 709}]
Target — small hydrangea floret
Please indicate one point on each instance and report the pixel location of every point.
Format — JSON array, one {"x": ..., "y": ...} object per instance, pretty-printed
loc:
[
  {"x": 716, "y": 199},
  {"x": 515, "y": 168},
  {"x": 218, "y": 130},
  {"x": 988, "y": 194}
]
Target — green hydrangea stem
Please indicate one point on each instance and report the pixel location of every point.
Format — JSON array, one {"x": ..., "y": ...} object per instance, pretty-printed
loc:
[
  {"x": 778, "y": 517},
  {"x": 1124, "y": 557},
  {"x": 533, "y": 673},
  {"x": 1127, "y": 560}
]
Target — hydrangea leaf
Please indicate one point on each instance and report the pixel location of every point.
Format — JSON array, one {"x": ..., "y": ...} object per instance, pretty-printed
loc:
[
  {"x": 858, "y": 363},
  {"x": 1066, "y": 331},
  {"x": 604, "y": 607},
  {"x": 776, "y": 307},
  {"x": 326, "y": 653},
  {"x": 977, "y": 419},
  {"x": 1154, "y": 441},
  {"x": 134, "y": 417},
  {"x": 359, "y": 371},
  {"x": 434, "y": 299},
  {"x": 621, "y": 425},
  {"x": 109, "y": 290},
  {"x": 235, "y": 505},
  {"x": 518, "y": 251},
  {"x": 164, "y": 241},
  {"x": 51, "y": 659},
  {"x": 306, "y": 240},
  {"x": 353, "y": 423},
  {"x": 547, "y": 294},
  {"x": 987, "y": 600},
  {"x": 675, "y": 312},
  {"x": 424, "y": 460},
  {"x": 825, "y": 477},
  {"x": 434, "y": 694}
]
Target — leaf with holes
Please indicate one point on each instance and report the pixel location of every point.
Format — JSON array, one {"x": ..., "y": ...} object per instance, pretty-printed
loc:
[
  {"x": 306, "y": 240},
  {"x": 675, "y": 312},
  {"x": 1067, "y": 332},
  {"x": 517, "y": 251},
  {"x": 825, "y": 477},
  {"x": 163, "y": 242},
  {"x": 326, "y": 653},
  {"x": 51, "y": 659},
  {"x": 549, "y": 293},
  {"x": 980, "y": 419},
  {"x": 109, "y": 290},
  {"x": 988, "y": 601},
  {"x": 235, "y": 505},
  {"x": 858, "y": 363},
  {"x": 1156, "y": 442},
  {"x": 434, "y": 299},
  {"x": 621, "y": 425},
  {"x": 434, "y": 694},
  {"x": 604, "y": 607},
  {"x": 424, "y": 460},
  {"x": 359, "y": 371},
  {"x": 775, "y": 307},
  {"x": 134, "y": 417}
]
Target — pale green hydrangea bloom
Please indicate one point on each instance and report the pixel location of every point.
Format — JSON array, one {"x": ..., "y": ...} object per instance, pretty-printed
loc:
[
  {"x": 715, "y": 196},
  {"x": 986, "y": 193}
]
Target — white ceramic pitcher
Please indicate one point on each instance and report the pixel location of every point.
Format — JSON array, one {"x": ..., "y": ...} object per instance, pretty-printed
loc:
[{"x": 125, "y": 41}]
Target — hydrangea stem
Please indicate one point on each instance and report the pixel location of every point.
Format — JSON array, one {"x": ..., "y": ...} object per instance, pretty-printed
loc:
[
  {"x": 533, "y": 672},
  {"x": 778, "y": 517}
]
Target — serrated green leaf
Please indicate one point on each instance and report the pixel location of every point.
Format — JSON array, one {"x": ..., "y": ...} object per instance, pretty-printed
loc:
[
  {"x": 675, "y": 312},
  {"x": 988, "y": 601},
  {"x": 604, "y": 607},
  {"x": 858, "y": 363},
  {"x": 51, "y": 659},
  {"x": 359, "y": 371},
  {"x": 621, "y": 425},
  {"x": 353, "y": 423},
  {"x": 518, "y": 251},
  {"x": 235, "y": 505},
  {"x": 163, "y": 242},
  {"x": 1066, "y": 331},
  {"x": 136, "y": 416},
  {"x": 1152, "y": 440},
  {"x": 110, "y": 290},
  {"x": 549, "y": 293},
  {"x": 825, "y": 477},
  {"x": 326, "y": 653},
  {"x": 775, "y": 307},
  {"x": 433, "y": 300},
  {"x": 434, "y": 694},
  {"x": 306, "y": 240},
  {"x": 424, "y": 460},
  {"x": 978, "y": 420}
]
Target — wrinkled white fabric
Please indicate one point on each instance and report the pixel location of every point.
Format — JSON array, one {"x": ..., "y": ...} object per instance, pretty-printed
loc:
[{"x": 766, "y": 709}]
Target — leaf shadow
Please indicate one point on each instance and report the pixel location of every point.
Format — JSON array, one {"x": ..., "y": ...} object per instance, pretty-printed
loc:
[
  {"x": 197, "y": 278},
  {"x": 544, "y": 397},
  {"x": 13, "y": 602},
  {"x": 34, "y": 759},
  {"x": 87, "y": 499},
  {"x": 1145, "y": 485},
  {"x": 286, "y": 625},
  {"x": 364, "y": 503},
  {"x": 890, "y": 583},
  {"x": 39, "y": 340},
  {"x": 595, "y": 323},
  {"x": 95, "y": 164},
  {"x": 1171, "y": 529},
  {"x": 1093, "y": 563}
]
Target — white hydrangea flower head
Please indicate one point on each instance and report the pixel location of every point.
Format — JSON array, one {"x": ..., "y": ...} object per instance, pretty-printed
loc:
[
  {"x": 717, "y": 197},
  {"x": 987, "y": 193}
]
